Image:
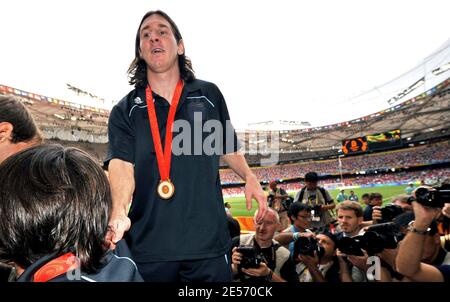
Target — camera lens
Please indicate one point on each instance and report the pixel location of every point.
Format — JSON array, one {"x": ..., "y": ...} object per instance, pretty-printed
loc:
[
  {"x": 350, "y": 246},
  {"x": 373, "y": 242}
]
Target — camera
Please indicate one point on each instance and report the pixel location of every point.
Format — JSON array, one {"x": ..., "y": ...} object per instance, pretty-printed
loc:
[
  {"x": 432, "y": 197},
  {"x": 250, "y": 258},
  {"x": 389, "y": 212},
  {"x": 350, "y": 245},
  {"x": 287, "y": 203},
  {"x": 377, "y": 238},
  {"x": 317, "y": 208},
  {"x": 381, "y": 236},
  {"x": 307, "y": 246}
]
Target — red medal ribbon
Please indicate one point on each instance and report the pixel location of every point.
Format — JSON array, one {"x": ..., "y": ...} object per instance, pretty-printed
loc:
[
  {"x": 55, "y": 267},
  {"x": 163, "y": 158}
]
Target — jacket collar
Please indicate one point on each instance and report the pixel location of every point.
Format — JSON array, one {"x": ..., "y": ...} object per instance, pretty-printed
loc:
[
  {"x": 188, "y": 88},
  {"x": 28, "y": 274}
]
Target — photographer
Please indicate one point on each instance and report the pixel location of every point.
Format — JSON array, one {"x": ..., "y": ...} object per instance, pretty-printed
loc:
[
  {"x": 402, "y": 201},
  {"x": 391, "y": 234},
  {"x": 444, "y": 220},
  {"x": 350, "y": 218},
  {"x": 398, "y": 206},
  {"x": 277, "y": 200},
  {"x": 433, "y": 252},
  {"x": 300, "y": 217},
  {"x": 320, "y": 266},
  {"x": 319, "y": 199},
  {"x": 271, "y": 261},
  {"x": 355, "y": 245},
  {"x": 375, "y": 199},
  {"x": 408, "y": 260}
]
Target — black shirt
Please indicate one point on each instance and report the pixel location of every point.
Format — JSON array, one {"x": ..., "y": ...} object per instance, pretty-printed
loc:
[
  {"x": 445, "y": 271},
  {"x": 440, "y": 257},
  {"x": 233, "y": 226},
  {"x": 368, "y": 213},
  {"x": 192, "y": 224}
]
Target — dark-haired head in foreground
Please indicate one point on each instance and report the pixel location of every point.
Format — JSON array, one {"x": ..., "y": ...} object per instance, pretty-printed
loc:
[
  {"x": 53, "y": 200},
  {"x": 18, "y": 130}
]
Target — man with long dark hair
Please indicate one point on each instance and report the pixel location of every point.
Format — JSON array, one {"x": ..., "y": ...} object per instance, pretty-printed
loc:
[{"x": 176, "y": 225}]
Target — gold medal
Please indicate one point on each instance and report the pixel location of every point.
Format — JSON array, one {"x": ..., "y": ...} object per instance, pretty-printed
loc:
[{"x": 166, "y": 189}]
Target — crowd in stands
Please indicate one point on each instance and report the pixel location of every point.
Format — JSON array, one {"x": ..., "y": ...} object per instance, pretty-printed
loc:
[
  {"x": 422, "y": 155},
  {"x": 427, "y": 177}
]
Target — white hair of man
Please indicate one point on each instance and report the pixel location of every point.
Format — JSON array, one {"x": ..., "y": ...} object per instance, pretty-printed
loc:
[{"x": 269, "y": 210}]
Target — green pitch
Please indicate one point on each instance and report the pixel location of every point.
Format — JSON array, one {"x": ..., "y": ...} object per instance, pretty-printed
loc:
[{"x": 238, "y": 203}]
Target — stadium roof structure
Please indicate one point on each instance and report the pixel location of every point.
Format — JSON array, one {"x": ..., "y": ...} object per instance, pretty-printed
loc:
[
  {"x": 415, "y": 102},
  {"x": 64, "y": 120},
  {"x": 427, "y": 112},
  {"x": 279, "y": 124}
]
